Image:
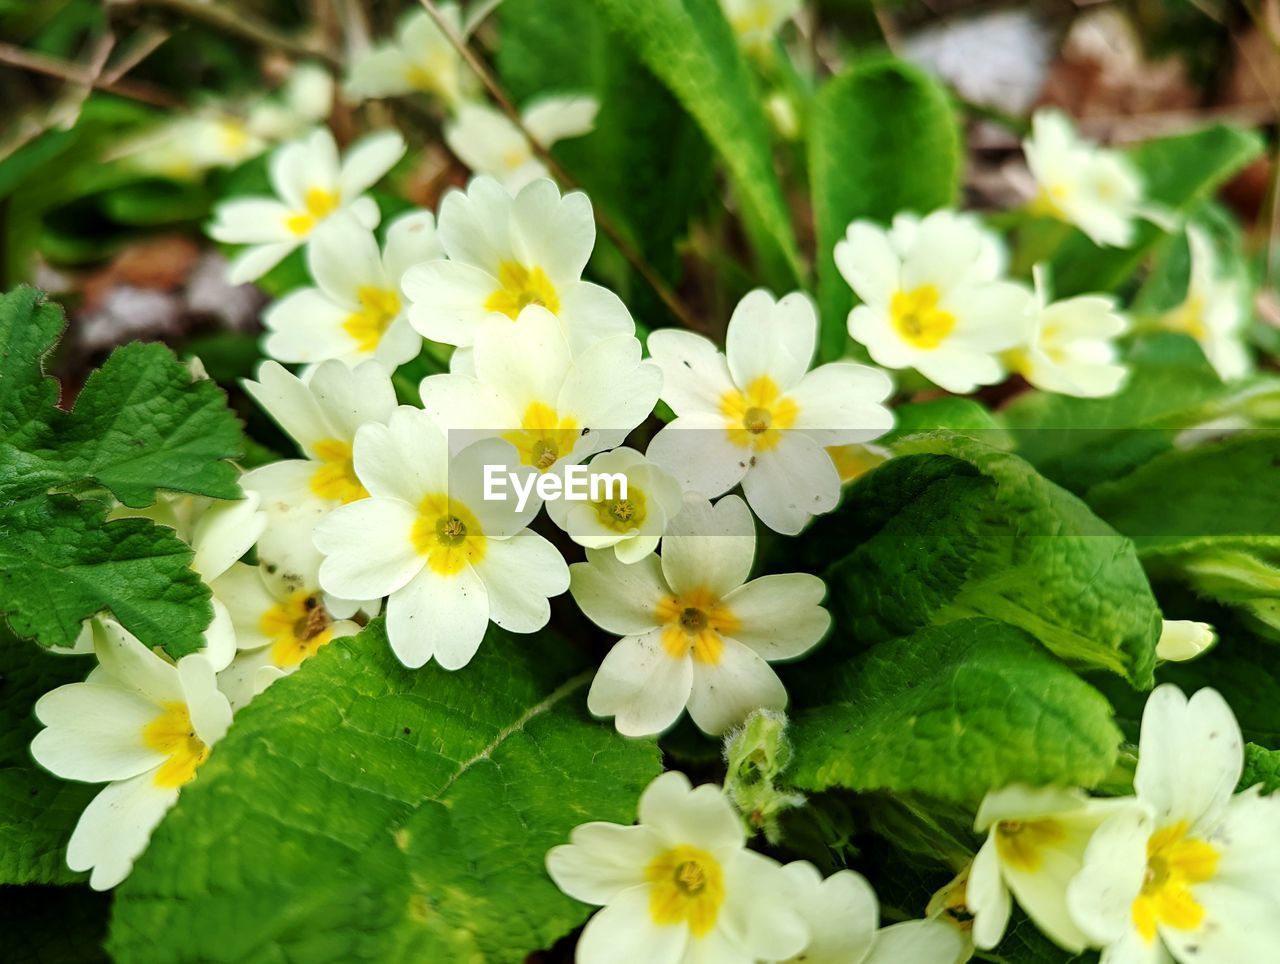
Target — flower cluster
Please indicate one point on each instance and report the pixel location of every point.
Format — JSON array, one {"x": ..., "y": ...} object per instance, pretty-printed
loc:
[{"x": 388, "y": 509}]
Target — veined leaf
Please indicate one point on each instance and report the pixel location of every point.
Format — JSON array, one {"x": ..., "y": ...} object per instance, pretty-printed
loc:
[
  {"x": 951, "y": 712},
  {"x": 883, "y": 139},
  {"x": 690, "y": 47},
  {"x": 952, "y": 528},
  {"x": 383, "y": 813}
]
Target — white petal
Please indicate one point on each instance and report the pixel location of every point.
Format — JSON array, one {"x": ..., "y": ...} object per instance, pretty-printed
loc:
[
  {"x": 114, "y": 829},
  {"x": 352, "y": 397},
  {"x": 700, "y": 815},
  {"x": 1248, "y": 840},
  {"x": 919, "y": 941},
  {"x": 220, "y": 638},
  {"x": 765, "y": 927},
  {"x": 343, "y": 257},
  {"x": 526, "y": 362},
  {"x": 591, "y": 313},
  {"x": 1101, "y": 896},
  {"x": 709, "y": 547},
  {"x": 617, "y": 597},
  {"x": 286, "y": 398},
  {"x": 551, "y": 119},
  {"x": 444, "y": 617},
  {"x": 447, "y": 300},
  {"x": 369, "y": 159},
  {"x": 250, "y": 220},
  {"x": 551, "y": 232},
  {"x": 840, "y": 403},
  {"x": 95, "y": 733},
  {"x": 403, "y": 460},
  {"x": 209, "y": 709},
  {"x": 601, "y": 860},
  {"x": 1239, "y": 925},
  {"x": 1190, "y": 757},
  {"x": 698, "y": 451},
  {"x": 624, "y": 933},
  {"x": 868, "y": 262},
  {"x": 520, "y": 574},
  {"x": 695, "y": 375},
  {"x": 244, "y": 593},
  {"x": 780, "y": 615},
  {"x": 475, "y": 227},
  {"x": 724, "y": 692},
  {"x": 771, "y": 339},
  {"x": 792, "y": 482},
  {"x": 368, "y": 549},
  {"x": 411, "y": 240},
  {"x": 306, "y": 326},
  {"x": 255, "y": 261},
  {"x": 224, "y": 532},
  {"x": 608, "y": 388},
  {"x": 987, "y": 897},
  {"x": 122, "y": 657},
  {"x": 641, "y": 685},
  {"x": 842, "y": 913}
]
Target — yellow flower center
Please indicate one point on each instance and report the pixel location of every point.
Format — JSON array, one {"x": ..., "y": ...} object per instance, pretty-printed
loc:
[
  {"x": 431, "y": 74},
  {"x": 335, "y": 477},
  {"x": 694, "y": 624},
  {"x": 686, "y": 886},
  {"x": 378, "y": 308},
  {"x": 297, "y": 628},
  {"x": 918, "y": 319},
  {"x": 1048, "y": 203},
  {"x": 1188, "y": 318},
  {"x": 757, "y": 417},
  {"x": 234, "y": 135},
  {"x": 319, "y": 204},
  {"x": 1174, "y": 862},
  {"x": 543, "y": 437},
  {"x": 172, "y": 734},
  {"x": 1020, "y": 842},
  {"x": 622, "y": 515},
  {"x": 519, "y": 287},
  {"x": 447, "y": 534}
]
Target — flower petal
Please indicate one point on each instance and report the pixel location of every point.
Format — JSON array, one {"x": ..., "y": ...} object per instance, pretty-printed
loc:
[
  {"x": 444, "y": 617},
  {"x": 771, "y": 339},
  {"x": 695, "y": 376},
  {"x": 791, "y": 483},
  {"x": 95, "y": 733},
  {"x": 780, "y": 616},
  {"x": 601, "y": 860},
  {"x": 520, "y": 574},
  {"x": 724, "y": 692},
  {"x": 368, "y": 549},
  {"x": 709, "y": 547},
  {"x": 617, "y": 597},
  {"x": 115, "y": 827},
  {"x": 641, "y": 685}
]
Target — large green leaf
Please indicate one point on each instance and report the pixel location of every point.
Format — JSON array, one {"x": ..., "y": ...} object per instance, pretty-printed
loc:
[
  {"x": 1079, "y": 442},
  {"x": 646, "y": 162},
  {"x": 1179, "y": 173},
  {"x": 953, "y": 527},
  {"x": 951, "y": 712},
  {"x": 359, "y": 810},
  {"x": 883, "y": 139},
  {"x": 37, "y": 810},
  {"x": 690, "y": 47}
]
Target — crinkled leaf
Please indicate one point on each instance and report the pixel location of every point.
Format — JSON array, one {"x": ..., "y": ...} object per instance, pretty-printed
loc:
[
  {"x": 952, "y": 711},
  {"x": 37, "y": 810},
  {"x": 883, "y": 139},
  {"x": 1261, "y": 766},
  {"x": 690, "y": 47},
  {"x": 953, "y": 528},
  {"x": 382, "y": 813},
  {"x": 1179, "y": 173},
  {"x": 62, "y": 562}
]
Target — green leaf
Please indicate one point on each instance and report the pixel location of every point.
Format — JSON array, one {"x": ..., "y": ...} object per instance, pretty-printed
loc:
[
  {"x": 883, "y": 139},
  {"x": 1219, "y": 488},
  {"x": 382, "y": 813},
  {"x": 690, "y": 47},
  {"x": 1079, "y": 442},
  {"x": 952, "y": 528},
  {"x": 61, "y": 562},
  {"x": 953, "y": 413},
  {"x": 1179, "y": 172},
  {"x": 951, "y": 712},
  {"x": 646, "y": 162},
  {"x": 1261, "y": 766},
  {"x": 38, "y": 811}
]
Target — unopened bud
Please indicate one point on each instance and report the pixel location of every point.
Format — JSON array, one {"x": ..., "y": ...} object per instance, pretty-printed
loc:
[
  {"x": 756, "y": 755},
  {"x": 1184, "y": 639}
]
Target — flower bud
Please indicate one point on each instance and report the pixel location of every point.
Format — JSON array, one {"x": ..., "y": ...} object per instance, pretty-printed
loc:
[
  {"x": 1184, "y": 639},
  {"x": 757, "y": 754}
]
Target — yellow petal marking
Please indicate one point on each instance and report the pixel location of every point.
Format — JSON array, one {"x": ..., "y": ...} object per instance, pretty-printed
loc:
[
  {"x": 756, "y": 418},
  {"x": 1020, "y": 843},
  {"x": 448, "y": 534},
  {"x": 172, "y": 734},
  {"x": 686, "y": 886},
  {"x": 543, "y": 437},
  {"x": 379, "y": 307},
  {"x": 297, "y": 627},
  {"x": 623, "y": 515},
  {"x": 519, "y": 287},
  {"x": 694, "y": 623},
  {"x": 918, "y": 319},
  {"x": 335, "y": 476},
  {"x": 1174, "y": 863},
  {"x": 318, "y": 204}
]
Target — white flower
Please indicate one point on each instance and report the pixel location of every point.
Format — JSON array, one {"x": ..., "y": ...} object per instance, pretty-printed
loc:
[
  {"x": 1213, "y": 313},
  {"x": 186, "y": 147},
  {"x": 1195, "y": 874},
  {"x": 449, "y": 560},
  {"x": 1080, "y": 183},
  {"x": 758, "y": 416},
  {"x": 631, "y": 525},
  {"x": 1036, "y": 839},
  {"x": 695, "y": 633},
  {"x": 842, "y": 914},
  {"x": 357, "y": 311},
  {"x": 756, "y": 22},
  {"x": 311, "y": 185},
  {"x": 420, "y": 59},
  {"x": 931, "y": 300},
  {"x": 277, "y": 627},
  {"x": 485, "y": 140},
  {"x": 303, "y": 100},
  {"x": 678, "y": 888},
  {"x": 139, "y": 724},
  {"x": 1070, "y": 349},
  {"x": 1182, "y": 639},
  {"x": 554, "y": 407},
  {"x": 507, "y": 253},
  {"x": 322, "y": 415}
]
